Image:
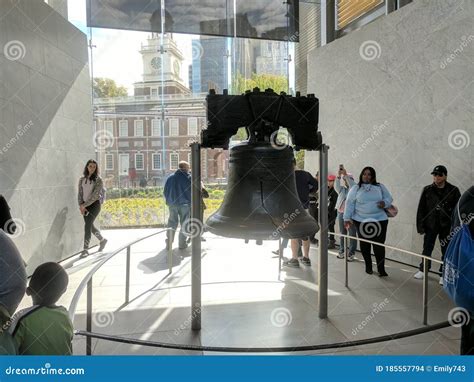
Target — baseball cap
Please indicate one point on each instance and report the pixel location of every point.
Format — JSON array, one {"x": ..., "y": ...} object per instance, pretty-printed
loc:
[
  {"x": 331, "y": 177},
  {"x": 439, "y": 170}
]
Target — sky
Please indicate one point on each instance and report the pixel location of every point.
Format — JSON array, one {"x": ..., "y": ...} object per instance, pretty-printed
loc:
[{"x": 116, "y": 52}]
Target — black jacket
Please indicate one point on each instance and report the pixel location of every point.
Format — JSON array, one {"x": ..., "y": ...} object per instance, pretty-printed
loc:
[
  {"x": 332, "y": 196},
  {"x": 6, "y": 222},
  {"x": 436, "y": 207}
]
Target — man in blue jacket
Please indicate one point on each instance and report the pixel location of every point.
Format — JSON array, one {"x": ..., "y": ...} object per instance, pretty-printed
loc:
[{"x": 178, "y": 198}]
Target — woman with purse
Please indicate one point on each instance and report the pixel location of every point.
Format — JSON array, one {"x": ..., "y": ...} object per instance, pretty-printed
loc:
[
  {"x": 90, "y": 192},
  {"x": 366, "y": 206}
]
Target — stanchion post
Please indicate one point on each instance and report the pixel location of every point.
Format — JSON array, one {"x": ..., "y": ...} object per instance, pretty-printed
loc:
[
  {"x": 280, "y": 255},
  {"x": 196, "y": 239},
  {"x": 127, "y": 277},
  {"x": 425, "y": 291},
  {"x": 323, "y": 240},
  {"x": 89, "y": 317},
  {"x": 346, "y": 261}
]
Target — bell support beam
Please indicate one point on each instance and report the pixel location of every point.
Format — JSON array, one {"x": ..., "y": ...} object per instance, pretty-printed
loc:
[
  {"x": 196, "y": 226},
  {"x": 323, "y": 240}
]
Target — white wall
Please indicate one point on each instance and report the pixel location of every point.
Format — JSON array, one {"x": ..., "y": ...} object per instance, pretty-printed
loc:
[
  {"x": 403, "y": 107},
  {"x": 44, "y": 93}
]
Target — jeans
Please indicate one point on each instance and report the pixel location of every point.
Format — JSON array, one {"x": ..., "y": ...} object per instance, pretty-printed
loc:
[
  {"x": 373, "y": 231},
  {"x": 178, "y": 214},
  {"x": 89, "y": 227},
  {"x": 342, "y": 230},
  {"x": 429, "y": 243}
]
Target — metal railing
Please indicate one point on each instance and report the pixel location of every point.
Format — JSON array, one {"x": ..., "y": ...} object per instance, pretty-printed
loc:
[
  {"x": 425, "y": 266},
  {"x": 87, "y": 282}
]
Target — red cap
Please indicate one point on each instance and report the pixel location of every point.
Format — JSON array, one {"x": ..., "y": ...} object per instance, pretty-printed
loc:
[{"x": 331, "y": 177}]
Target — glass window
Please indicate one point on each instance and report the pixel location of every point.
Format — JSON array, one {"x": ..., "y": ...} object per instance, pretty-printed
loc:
[
  {"x": 109, "y": 128},
  {"x": 174, "y": 127},
  {"x": 192, "y": 126},
  {"x": 139, "y": 161},
  {"x": 123, "y": 128},
  {"x": 174, "y": 161},
  {"x": 154, "y": 92},
  {"x": 139, "y": 128},
  {"x": 156, "y": 127},
  {"x": 157, "y": 161},
  {"x": 109, "y": 161}
]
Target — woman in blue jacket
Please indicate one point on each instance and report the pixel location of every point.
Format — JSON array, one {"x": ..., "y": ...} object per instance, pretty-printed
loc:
[{"x": 365, "y": 208}]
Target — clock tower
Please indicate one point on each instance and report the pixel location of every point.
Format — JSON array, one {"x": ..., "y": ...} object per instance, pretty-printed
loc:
[{"x": 162, "y": 66}]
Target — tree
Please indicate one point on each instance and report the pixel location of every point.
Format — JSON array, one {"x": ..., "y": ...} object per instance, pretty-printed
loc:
[
  {"x": 262, "y": 81},
  {"x": 107, "y": 87}
]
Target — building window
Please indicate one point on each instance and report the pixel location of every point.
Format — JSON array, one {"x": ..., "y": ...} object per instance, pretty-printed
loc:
[
  {"x": 109, "y": 161},
  {"x": 156, "y": 127},
  {"x": 174, "y": 127},
  {"x": 123, "y": 128},
  {"x": 154, "y": 92},
  {"x": 174, "y": 161},
  {"x": 138, "y": 144},
  {"x": 156, "y": 161},
  {"x": 139, "y": 162},
  {"x": 139, "y": 128},
  {"x": 192, "y": 126},
  {"x": 109, "y": 128}
]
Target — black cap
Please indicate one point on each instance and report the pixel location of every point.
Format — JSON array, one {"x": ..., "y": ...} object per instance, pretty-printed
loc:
[{"x": 439, "y": 170}]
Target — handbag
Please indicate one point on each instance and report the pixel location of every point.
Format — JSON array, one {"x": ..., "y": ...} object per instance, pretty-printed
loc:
[
  {"x": 391, "y": 211},
  {"x": 459, "y": 266}
]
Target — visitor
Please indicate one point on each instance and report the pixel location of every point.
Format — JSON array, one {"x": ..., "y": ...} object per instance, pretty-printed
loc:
[
  {"x": 90, "y": 192},
  {"x": 45, "y": 328},
  {"x": 342, "y": 185},
  {"x": 365, "y": 208},
  {"x": 332, "y": 213},
  {"x": 433, "y": 217},
  {"x": 177, "y": 193}
]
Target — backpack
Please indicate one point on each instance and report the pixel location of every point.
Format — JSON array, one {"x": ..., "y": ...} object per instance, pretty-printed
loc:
[{"x": 459, "y": 267}]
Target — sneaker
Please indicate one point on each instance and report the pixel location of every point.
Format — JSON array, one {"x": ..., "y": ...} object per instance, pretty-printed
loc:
[
  {"x": 383, "y": 274},
  {"x": 84, "y": 253},
  {"x": 277, "y": 252},
  {"x": 293, "y": 263},
  {"x": 102, "y": 245},
  {"x": 418, "y": 275},
  {"x": 306, "y": 261},
  {"x": 441, "y": 281},
  {"x": 340, "y": 256},
  {"x": 351, "y": 257}
]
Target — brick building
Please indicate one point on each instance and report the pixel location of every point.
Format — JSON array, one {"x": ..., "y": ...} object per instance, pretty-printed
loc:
[{"x": 140, "y": 139}]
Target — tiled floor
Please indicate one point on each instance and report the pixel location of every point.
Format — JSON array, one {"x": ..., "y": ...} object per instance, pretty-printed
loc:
[{"x": 246, "y": 305}]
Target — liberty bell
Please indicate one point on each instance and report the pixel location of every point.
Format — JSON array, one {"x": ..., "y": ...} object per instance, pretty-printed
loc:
[{"x": 261, "y": 200}]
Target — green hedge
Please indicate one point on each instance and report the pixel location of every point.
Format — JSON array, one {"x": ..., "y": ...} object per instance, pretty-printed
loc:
[{"x": 142, "y": 212}]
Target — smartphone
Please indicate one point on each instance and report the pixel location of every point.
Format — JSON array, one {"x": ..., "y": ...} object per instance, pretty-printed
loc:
[
  {"x": 341, "y": 167},
  {"x": 86, "y": 213}
]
